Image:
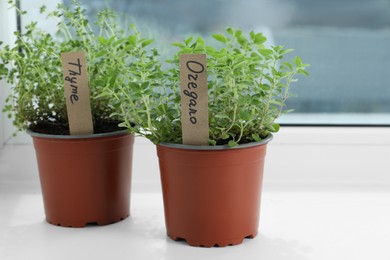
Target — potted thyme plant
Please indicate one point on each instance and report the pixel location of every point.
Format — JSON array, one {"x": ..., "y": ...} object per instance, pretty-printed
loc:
[
  {"x": 84, "y": 178},
  {"x": 212, "y": 193}
]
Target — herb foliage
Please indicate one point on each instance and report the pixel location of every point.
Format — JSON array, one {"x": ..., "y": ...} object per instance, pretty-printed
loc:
[
  {"x": 248, "y": 82},
  {"x": 115, "y": 57},
  {"x": 248, "y": 88}
]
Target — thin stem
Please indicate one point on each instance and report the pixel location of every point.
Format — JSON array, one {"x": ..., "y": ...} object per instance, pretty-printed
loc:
[{"x": 270, "y": 95}]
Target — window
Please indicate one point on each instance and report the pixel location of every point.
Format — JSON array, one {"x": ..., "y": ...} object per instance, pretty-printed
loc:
[{"x": 7, "y": 26}]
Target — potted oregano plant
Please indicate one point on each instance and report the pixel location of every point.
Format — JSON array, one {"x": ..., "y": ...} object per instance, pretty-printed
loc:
[
  {"x": 212, "y": 192},
  {"x": 85, "y": 178}
]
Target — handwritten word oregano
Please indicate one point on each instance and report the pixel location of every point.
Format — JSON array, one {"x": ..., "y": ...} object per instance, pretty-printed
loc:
[{"x": 194, "y": 99}]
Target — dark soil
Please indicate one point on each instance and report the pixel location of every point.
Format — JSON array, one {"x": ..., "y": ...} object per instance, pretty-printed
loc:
[{"x": 63, "y": 129}]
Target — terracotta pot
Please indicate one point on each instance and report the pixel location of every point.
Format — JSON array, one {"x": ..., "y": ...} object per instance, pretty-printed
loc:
[
  {"x": 212, "y": 194},
  {"x": 85, "y": 179}
]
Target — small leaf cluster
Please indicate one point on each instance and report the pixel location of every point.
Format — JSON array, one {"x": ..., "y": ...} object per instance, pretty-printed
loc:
[
  {"x": 248, "y": 85},
  {"x": 116, "y": 57}
]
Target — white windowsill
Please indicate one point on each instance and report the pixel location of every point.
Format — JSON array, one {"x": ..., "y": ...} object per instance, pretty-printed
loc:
[
  {"x": 335, "y": 119},
  {"x": 293, "y": 226},
  {"x": 298, "y": 156},
  {"x": 325, "y": 196}
]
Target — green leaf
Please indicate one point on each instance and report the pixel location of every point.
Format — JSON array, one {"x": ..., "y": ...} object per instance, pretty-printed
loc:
[
  {"x": 288, "y": 111},
  {"x": 178, "y": 44},
  {"x": 210, "y": 51},
  {"x": 200, "y": 42},
  {"x": 188, "y": 40},
  {"x": 276, "y": 102},
  {"x": 256, "y": 137},
  {"x": 222, "y": 116},
  {"x": 288, "y": 65},
  {"x": 238, "y": 33},
  {"x": 252, "y": 35},
  {"x": 212, "y": 142},
  {"x": 103, "y": 40},
  {"x": 123, "y": 124},
  {"x": 277, "y": 48},
  {"x": 276, "y": 127},
  {"x": 303, "y": 72},
  {"x": 266, "y": 52},
  {"x": 132, "y": 39},
  {"x": 147, "y": 42},
  {"x": 219, "y": 37},
  {"x": 118, "y": 42},
  {"x": 298, "y": 61},
  {"x": 230, "y": 31},
  {"x": 245, "y": 115},
  {"x": 113, "y": 79},
  {"x": 101, "y": 53},
  {"x": 285, "y": 51},
  {"x": 232, "y": 143},
  {"x": 134, "y": 85},
  {"x": 273, "y": 128},
  {"x": 259, "y": 39},
  {"x": 42, "y": 9},
  {"x": 265, "y": 86},
  {"x": 242, "y": 41},
  {"x": 225, "y": 136}
]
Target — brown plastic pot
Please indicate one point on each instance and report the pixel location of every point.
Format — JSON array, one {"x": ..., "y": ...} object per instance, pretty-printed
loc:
[
  {"x": 212, "y": 194},
  {"x": 85, "y": 179}
]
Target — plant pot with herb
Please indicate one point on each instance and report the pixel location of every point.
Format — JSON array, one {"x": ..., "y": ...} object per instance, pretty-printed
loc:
[
  {"x": 85, "y": 161},
  {"x": 212, "y": 187}
]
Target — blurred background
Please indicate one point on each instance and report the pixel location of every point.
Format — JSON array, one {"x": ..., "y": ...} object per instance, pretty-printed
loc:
[{"x": 345, "y": 41}]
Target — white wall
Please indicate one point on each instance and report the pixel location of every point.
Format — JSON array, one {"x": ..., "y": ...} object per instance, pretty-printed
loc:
[
  {"x": 315, "y": 158},
  {"x": 7, "y": 27},
  {"x": 319, "y": 156},
  {"x": 304, "y": 158}
]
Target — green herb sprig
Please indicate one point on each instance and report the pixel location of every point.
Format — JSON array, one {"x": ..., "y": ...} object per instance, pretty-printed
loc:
[
  {"x": 116, "y": 58},
  {"x": 248, "y": 88}
]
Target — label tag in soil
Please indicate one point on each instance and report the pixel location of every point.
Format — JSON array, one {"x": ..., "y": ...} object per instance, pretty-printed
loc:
[
  {"x": 194, "y": 99},
  {"x": 74, "y": 68}
]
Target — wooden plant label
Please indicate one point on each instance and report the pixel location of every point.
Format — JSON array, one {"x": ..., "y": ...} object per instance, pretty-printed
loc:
[
  {"x": 194, "y": 99},
  {"x": 74, "y": 68}
]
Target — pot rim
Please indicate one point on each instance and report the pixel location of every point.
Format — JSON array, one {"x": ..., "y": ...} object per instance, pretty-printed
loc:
[
  {"x": 87, "y": 136},
  {"x": 216, "y": 147}
]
